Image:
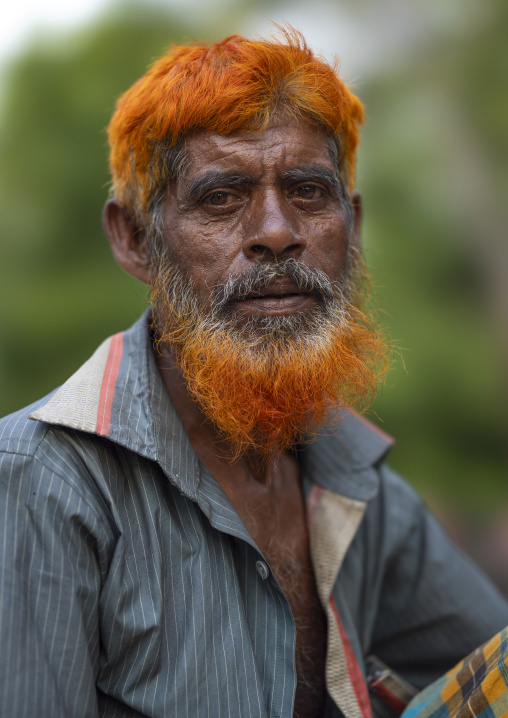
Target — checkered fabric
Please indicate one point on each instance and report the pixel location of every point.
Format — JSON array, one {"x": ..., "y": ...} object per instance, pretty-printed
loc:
[{"x": 477, "y": 686}]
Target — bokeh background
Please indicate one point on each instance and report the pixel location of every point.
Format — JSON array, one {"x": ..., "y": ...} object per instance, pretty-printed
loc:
[{"x": 433, "y": 171}]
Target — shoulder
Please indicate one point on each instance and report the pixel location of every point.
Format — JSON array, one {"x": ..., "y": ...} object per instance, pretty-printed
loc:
[
  {"x": 397, "y": 514},
  {"x": 41, "y": 463},
  {"x": 37, "y": 440},
  {"x": 21, "y": 435}
]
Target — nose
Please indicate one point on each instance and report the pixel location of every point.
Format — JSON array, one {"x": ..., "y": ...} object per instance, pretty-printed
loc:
[{"x": 272, "y": 229}]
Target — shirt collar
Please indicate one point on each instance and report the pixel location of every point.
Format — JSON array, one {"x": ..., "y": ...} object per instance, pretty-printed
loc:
[
  {"x": 344, "y": 458},
  {"x": 119, "y": 394}
]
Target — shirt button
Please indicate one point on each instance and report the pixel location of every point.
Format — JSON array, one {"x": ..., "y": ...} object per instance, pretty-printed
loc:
[{"x": 262, "y": 569}]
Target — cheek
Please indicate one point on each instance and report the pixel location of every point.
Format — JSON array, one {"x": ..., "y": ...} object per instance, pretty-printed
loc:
[
  {"x": 203, "y": 254},
  {"x": 329, "y": 247}
]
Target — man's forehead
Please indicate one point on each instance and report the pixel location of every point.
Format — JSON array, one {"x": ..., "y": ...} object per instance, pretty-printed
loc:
[{"x": 282, "y": 145}]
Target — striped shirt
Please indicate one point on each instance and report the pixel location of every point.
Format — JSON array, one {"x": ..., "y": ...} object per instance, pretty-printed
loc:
[{"x": 129, "y": 585}]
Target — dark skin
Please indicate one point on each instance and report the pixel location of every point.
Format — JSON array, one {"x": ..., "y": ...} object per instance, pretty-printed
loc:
[{"x": 242, "y": 199}]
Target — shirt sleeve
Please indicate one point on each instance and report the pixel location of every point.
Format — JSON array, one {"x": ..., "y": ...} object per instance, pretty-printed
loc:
[
  {"x": 50, "y": 579},
  {"x": 435, "y": 605}
]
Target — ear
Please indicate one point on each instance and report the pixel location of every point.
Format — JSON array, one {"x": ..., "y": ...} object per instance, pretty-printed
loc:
[
  {"x": 357, "y": 207},
  {"x": 127, "y": 241}
]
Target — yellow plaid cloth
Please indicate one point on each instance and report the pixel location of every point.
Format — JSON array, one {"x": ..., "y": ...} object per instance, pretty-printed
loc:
[{"x": 477, "y": 686}]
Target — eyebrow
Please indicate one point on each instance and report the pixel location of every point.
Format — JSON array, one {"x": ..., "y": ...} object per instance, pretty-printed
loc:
[{"x": 213, "y": 179}]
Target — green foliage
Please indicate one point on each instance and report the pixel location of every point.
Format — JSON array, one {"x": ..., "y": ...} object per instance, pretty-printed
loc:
[
  {"x": 435, "y": 237},
  {"x": 62, "y": 292}
]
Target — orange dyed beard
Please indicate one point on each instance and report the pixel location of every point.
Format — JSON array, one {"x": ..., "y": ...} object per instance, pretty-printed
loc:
[{"x": 273, "y": 383}]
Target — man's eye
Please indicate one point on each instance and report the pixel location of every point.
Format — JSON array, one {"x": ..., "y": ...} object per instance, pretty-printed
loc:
[
  {"x": 218, "y": 198},
  {"x": 309, "y": 191}
]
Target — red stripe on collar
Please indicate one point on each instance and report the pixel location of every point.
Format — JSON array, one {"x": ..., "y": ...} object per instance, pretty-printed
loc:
[
  {"x": 108, "y": 385},
  {"x": 354, "y": 670}
]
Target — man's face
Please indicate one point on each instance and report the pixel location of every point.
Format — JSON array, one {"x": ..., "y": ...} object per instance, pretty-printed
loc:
[
  {"x": 256, "y": 296},
  {"x": 255, "y": 197}
]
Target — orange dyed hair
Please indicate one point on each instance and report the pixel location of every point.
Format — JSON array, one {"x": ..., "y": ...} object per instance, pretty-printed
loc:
[{"x": 233, "y": 85}]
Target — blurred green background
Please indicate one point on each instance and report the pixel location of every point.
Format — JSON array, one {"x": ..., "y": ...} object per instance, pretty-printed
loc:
[{"x": 432, "y": 169}]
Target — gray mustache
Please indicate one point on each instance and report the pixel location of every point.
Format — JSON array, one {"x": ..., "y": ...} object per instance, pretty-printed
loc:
[{"x": 260, "y": 276}]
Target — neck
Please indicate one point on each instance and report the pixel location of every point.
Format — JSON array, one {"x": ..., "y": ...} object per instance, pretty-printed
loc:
[{"x": 211, "y": 448}]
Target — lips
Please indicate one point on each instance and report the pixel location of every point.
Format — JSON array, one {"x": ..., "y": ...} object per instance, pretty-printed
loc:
[{"x": 281, "y": 296}]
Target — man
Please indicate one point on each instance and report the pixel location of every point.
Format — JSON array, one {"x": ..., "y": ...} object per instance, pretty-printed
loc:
[{"x": 195, "y": 524}]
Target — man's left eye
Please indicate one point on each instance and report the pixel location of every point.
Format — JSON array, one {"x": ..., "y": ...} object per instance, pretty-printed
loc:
[
  {"x": 218, "y": 198},
  {"x": 309, "y": 191}
]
